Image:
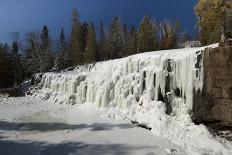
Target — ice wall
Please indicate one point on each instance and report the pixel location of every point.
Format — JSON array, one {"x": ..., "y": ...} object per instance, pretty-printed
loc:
[{"x": 169, "y": 76}]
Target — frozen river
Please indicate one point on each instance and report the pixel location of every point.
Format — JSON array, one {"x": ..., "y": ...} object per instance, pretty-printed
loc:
[{"x": 30, "y": 126}]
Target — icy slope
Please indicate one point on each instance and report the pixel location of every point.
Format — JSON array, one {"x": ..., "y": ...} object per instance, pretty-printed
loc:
[{"x": 155, "y": 89}]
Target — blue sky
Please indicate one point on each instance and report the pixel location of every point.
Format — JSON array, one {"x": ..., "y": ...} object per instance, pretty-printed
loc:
[{"x": 31, "y": 15}]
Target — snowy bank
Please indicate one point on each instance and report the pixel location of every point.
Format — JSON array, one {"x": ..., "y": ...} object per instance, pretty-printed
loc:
[{"x": 155, "y": 89}]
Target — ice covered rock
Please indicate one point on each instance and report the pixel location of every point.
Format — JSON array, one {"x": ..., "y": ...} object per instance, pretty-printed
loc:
[{"x": 169, "y": 76}]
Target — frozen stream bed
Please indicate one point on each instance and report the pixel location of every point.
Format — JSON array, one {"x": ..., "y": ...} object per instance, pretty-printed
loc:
[{"x": 30, "y": 126}]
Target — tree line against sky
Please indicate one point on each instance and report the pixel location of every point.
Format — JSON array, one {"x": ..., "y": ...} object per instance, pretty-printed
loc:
[{"x": 82, "y": 46}]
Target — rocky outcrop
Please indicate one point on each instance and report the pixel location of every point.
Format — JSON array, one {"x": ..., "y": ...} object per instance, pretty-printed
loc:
[{"x": 214, "y": 103}]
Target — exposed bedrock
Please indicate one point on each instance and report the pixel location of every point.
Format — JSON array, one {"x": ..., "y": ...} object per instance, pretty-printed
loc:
[{"x": 215, "y": 101}]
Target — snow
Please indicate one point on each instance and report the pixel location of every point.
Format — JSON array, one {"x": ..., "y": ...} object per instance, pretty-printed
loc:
[
  {"x": 33, "y": 126},
  {"x": 130, "y": 89}
]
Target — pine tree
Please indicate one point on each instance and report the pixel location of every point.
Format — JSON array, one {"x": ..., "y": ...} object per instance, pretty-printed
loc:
[
  {"x": 59, "y": 61},
  {"x": 65, "y": 54},
  {"x": 5, "y": 76},
  {"x": 132, "y": 41},
  {"x": 84, "y": 33},
  {"x": 146, "y": 36},
  {"x": 45, "y": 57},
  {"x": 91, "y": 43},
  {"x": 62, "y": 39},
  {"x": 115, "y": 38},
  {"x": 102, "y": 53},
  {"x": 15, "y": 48},
  {"x": 33, "y": 54},
  {"x": 16, "y": 63},
  {"x": 75, "y": 40}
]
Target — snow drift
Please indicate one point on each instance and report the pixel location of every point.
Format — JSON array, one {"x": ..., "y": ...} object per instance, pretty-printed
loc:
[{"x": 155, "y": 89}]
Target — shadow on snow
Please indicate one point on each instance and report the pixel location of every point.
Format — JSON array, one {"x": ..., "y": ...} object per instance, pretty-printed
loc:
[
  {"x": 79, "y": 148},
  {"x": 16, "y": 147},
  {"x": 46, "y": 127}
]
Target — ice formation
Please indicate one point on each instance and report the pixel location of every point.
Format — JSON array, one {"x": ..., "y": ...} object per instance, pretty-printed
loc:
[
  {"x": 169, "y": 76},
  {"x": 155, "y": 89}
]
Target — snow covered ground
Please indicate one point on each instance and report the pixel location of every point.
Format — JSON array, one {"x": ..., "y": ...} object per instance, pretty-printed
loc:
[
  {"x": 30, "y": 126},
  {"x": 90, "y": 110}
]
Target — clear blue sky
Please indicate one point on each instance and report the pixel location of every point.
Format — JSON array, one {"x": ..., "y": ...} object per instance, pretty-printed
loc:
[{"x": 31, "y": 15}]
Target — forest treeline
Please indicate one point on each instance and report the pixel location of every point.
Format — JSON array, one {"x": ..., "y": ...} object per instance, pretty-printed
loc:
[
  {"x": 36, "y": 53},
  {"x": 85, "y": 44}
]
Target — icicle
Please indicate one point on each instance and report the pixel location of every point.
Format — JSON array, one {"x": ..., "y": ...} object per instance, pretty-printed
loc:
[{"x": 130, "y": 80}]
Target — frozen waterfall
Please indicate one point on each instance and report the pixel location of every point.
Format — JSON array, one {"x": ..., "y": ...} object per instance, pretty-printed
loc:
[{"x": 169, "y": 76}]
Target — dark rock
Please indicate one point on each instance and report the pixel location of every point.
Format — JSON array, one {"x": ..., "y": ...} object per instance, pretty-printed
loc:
[
  {"x": 141, "y": 125},
  {"x": 215, "y": 101},
  {"x": 154, "y": 80},
  {"x": 160, "y": 96}
]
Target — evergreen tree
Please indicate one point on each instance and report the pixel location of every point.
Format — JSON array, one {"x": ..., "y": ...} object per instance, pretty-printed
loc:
[
  {"x": 146, "y": 36},
  {"x": 75, "y": 40},
  {"x": 45, "y": 54},
  {"x": 59, "y": 61},
  {"x": 91, "y": 48},
  {"x": 6, "y": 79},
  {"x": 132, "y": 42},
  {"x": 16, "y": 63},
  {"x": 115, "y": 38},
  {"x": 84, "y": 33},
  {"x": 15, "y": 48},
  {"x": 33, "y": 54},
  {"x": 102, "y": 53},
  {"x": 65, "y": 54},
  {"x": 62, "y": 39}
]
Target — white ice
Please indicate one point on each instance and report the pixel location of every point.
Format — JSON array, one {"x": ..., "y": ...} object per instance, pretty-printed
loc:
[
  {"x": 129, "y": 89},
  {"x": 29, "y": 126}
]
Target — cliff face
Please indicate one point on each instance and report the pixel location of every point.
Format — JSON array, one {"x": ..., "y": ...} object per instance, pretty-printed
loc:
[{"x": 215, "y": 101}]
